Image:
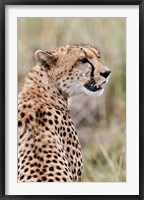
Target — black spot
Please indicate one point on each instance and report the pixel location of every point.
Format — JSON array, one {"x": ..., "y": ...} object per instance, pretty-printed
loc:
[
  {"x": 64, "y": 179},
  {"x": 39, "y": 165},
  {"x": 49, "y": 113},
  {"x": 48, "y": 161},
  {"x": 21, "y": 135},
  {"x": 45, "y": 120},
  {"x": 26, "y": 170},
  {"x": 26, "y": 144},
  {"x": 68, "y": 149},
  {"x": 51, "y": 122},
  {"x": 31, "y": 117},
  {"x": 55, "y": 156},
  {"x": 29, "y": 177},
  {"x": 56, "y": 117},
  {"x": 65, "y": 173},
  {"x": 61, "y": 162},
  {"x": 21, "y": 177},
  {"x": 32, "y": 171},
  {"x": 42, "y": 123},
  {"x": 73, "y": 144},
  {"x": 64, "y": 134},
  {"x": 44, "y": 113},
  {"x": 58, "y": 112},
  {"x": 56, "y": 121},
  {"x": 68, "y": 129},
  {"x": 39, "y": 122},
  {"x": 51, "y": 168},
  {"x": 57, "y": 179},
  {"x": 30, "y": 158},
  {"x": 40, "y": 158},
  {"x": 41, "y": 114},
  {"x": 22, "y": 114},
  {"x": 74, "y": 137},
  {"x": 29, "y": 138},
  {"x": 64, "y": 117},
  {"x": 23, "y": 161},
  {"x": 58, "y": 167},
  {"x": 44, "y": 178},
  {"x": 35, "y": 164},
  {"x": 27, "y": 120},
  {"x": 29, "y": 106},
  {"x": 58, "y": 173},
  {"x": 79, "y": 172},
  {"x": 46, "y": 128},
  {"x": 74, "y": 171},
  {"x": 24, "y": 106},
  {"x": 50, "y": 180},
  {"x": 50, "y": 174},
  {"x": 19, "y": 123},
  {"x": 22, "y": 167},
  {"x": 44, "y": 170},
  {"x": 58, "y": 155},
  {"x": 54, "y": 161}
]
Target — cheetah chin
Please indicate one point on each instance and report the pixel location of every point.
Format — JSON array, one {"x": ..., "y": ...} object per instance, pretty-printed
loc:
[{"x": 93, "y": 90}]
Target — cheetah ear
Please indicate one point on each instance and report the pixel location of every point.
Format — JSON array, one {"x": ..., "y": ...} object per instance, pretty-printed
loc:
[{"x": 45, "y": 58}]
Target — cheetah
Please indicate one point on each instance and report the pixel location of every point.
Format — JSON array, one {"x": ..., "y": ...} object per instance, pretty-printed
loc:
[{"x": 48, "y": 146}]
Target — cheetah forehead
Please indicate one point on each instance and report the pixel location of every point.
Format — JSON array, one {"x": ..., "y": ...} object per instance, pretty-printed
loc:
[{"x": 87, "y": 50}]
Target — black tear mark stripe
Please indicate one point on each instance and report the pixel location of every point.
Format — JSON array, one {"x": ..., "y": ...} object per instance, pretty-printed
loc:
[{"x": 92, "y": 70}]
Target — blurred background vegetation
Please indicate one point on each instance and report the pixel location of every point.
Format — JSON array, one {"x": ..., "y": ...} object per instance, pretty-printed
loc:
[{"x": 101, "y": 121}]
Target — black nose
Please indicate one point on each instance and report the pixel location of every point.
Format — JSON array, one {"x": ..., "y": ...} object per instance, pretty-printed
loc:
[{"x": 105, "y": 74}]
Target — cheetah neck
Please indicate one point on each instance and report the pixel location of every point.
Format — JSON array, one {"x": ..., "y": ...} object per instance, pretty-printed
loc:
[{"x": 41, "y": 84}]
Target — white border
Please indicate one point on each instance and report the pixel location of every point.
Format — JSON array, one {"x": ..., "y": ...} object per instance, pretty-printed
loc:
[{"x": 131, "y": 187}]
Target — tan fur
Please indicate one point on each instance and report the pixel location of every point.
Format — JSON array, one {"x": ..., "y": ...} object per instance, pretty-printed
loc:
[{"x": 48, "y": 145}]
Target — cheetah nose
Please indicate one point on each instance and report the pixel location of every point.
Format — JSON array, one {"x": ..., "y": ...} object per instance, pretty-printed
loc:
[{"x": 105, "y": 74}]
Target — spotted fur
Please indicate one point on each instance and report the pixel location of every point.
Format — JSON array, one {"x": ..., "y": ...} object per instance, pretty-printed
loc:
[{"x": 48, "y": 144}]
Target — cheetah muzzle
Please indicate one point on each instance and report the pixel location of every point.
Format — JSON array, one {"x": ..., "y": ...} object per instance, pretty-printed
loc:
[{"x": 48, "y": 146}]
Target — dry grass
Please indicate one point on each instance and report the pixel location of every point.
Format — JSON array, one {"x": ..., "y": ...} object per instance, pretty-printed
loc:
[
  {"x": 103, "y": 155},
  {"x": 100, "y": 121}
]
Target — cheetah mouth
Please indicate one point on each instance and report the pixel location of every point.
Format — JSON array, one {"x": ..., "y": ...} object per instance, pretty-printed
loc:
[{"x": 92, "y": 86}]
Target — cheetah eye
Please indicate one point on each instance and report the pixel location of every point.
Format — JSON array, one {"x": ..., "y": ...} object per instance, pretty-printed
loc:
[{"x": 83, "y": 60}]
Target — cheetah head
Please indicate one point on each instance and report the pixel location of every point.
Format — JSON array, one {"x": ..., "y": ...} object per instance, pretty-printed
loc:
[{"x": 75, "y": 69}]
